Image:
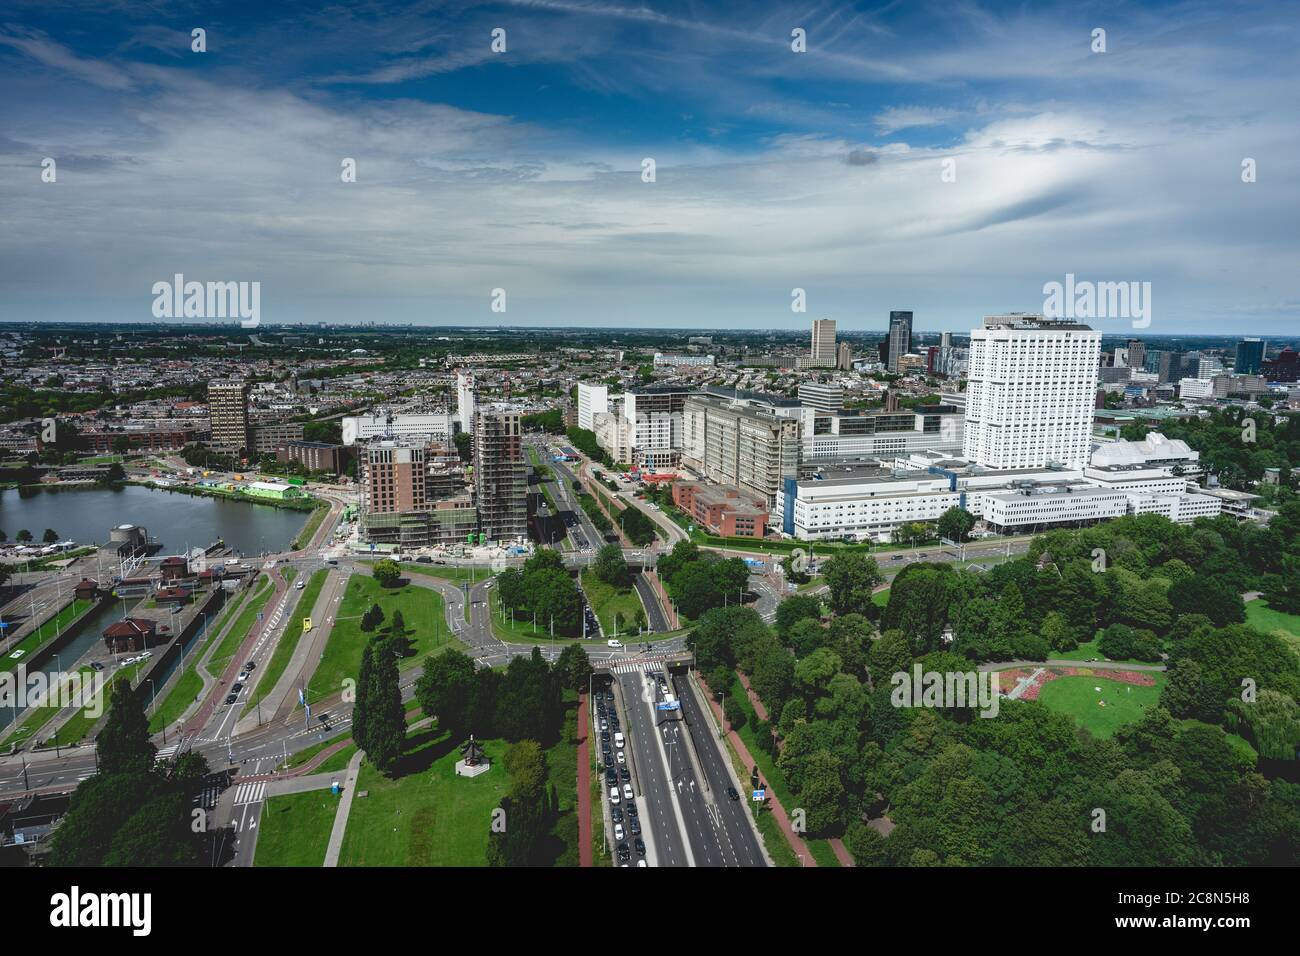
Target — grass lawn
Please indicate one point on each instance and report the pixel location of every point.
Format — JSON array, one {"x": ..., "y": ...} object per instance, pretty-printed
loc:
[
  {"x": 295, "y": 829},
  {"x": 310, "y": 526},
  {"x": 56, "y": 625},
  {"x": 426, "y": 815},
  {"x": 562, "y": 773},
  {"x": 607, "y": 601},
  {"x": 446, "y": 572},
  {"x": 422, "y": 610},
  {"x": 288, "y": 640},
  {"x": 34, "y": 718},
  {"x": 1125, "y": 703},
  {"x": 230, "y": 644},
  {"x": 881, "y": 599},
  {"x": 1263, "y": 618}
]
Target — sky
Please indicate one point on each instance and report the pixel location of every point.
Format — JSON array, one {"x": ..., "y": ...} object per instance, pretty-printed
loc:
[{"x": 947, "y": 158}]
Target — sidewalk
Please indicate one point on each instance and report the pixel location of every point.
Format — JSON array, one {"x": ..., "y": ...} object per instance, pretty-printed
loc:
[
  {"x": 345, "y": 807},
  {"x": 778, "y": 812},
  {"x": 584, "y": 785}
]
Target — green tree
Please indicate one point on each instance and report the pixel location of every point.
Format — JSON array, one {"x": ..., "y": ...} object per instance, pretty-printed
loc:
[
  {"x": 852, "y": 577},
  {"x": 610, "y": 566},
  {"x": 123, "y": 745},
  {"x": 387, "y": 572},
  {"x": 955, "y": 524},
  {"x": 50, "y": 536}
]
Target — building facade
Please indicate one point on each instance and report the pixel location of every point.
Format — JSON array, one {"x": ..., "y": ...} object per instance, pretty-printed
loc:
[
  {"x": 1031, "y": 389},
  {"x": 228, "y": 413}
]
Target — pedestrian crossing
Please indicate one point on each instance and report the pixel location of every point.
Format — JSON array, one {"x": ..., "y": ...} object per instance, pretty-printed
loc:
[
  {"x": 247, "y": 793},
  {"x": 646, "y": 665},
  {"x": 208, "y": 798}
]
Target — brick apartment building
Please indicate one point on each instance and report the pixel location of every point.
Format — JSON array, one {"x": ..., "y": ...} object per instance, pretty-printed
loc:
[{"x": 723, "y": 509}]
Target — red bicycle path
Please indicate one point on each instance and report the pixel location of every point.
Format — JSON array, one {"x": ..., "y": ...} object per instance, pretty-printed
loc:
[{"x": 584, "y": 785}]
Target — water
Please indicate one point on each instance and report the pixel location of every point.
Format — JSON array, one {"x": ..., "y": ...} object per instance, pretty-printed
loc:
[{"x": 175, "y": 520}]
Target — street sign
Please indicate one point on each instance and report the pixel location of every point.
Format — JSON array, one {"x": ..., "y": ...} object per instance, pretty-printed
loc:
[{"x": 760, "y": 796}]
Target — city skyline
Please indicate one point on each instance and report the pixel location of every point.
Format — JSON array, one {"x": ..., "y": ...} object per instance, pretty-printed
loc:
[{"x": 775, "y": 170}]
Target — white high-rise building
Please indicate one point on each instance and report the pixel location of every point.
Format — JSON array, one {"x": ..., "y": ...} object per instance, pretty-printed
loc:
[
  {"x": 1031, "y": 390},
  {"x": 593, "y": 400},
  {"x": 466, "y": 400}
]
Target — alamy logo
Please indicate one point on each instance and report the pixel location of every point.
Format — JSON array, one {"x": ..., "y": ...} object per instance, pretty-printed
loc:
[
  {"x": 74, "y": 909},
  {"x": 963, "y": 689},
  {"x": 179, "y": 299},
  {"x": 20, "y": 689},
  {"x": 1098, "y": 300}
]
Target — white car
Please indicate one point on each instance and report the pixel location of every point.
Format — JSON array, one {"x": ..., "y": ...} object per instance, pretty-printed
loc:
[
  {"x": 613, "y": 796},
  {"x": 627, "y": 791},
  {"x": 618, "y": 832},
  {"x": 299, "y": 585},
  {"x": 642, "y": 862},
  {"x": 614, "y": 642},
  {"x": 621, "y": 759}
]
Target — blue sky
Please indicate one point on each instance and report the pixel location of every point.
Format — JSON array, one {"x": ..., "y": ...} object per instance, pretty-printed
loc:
[{"x": 775, "y": 170}]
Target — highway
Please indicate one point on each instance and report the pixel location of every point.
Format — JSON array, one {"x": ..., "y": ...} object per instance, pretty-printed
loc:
[{"x": 693, "y": 821}]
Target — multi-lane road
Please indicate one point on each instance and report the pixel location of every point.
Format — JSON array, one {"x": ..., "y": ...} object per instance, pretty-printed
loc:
[{"x": 681, "y": 775}]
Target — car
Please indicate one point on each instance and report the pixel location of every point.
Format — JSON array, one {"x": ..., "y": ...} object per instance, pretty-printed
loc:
[
  {"x": 231, "y": 698},
  {"x": 618, "y": 832},
  {"x": 624, "y": 854},
  {"x": 250, "y": 665},
  {"x": 604, "y": 725},
  {"x": 611, "y": 777},
  {"x": 624, "y": 773},
  {"x": 243, "y": 677},
  {"x": 614, "y": 798},
  {"x": 732, "y": 794},
  {"x": 440, "y": 561},
  {"x": 236, "y": 687},
  {"x": 639, "y": 845},
  {"x": 97, "y": 665},
  {"x": 621, "y": 757},
  {"x": 897, "y": 557},
  {"x": 616, "y": 814},
  {"x": 604, "y": 735},
  {"x": 627, "y": 791},
  {"x": 614, "y": 642},
  {"x": 642, "y": 862},
  {"x": 424, "y": 559},
  {"x": 618, "y": 739},
  {"x": 299, "y": 584},
  {"x": 632, "y": 811},
  {"x": 634, "y": 826}
]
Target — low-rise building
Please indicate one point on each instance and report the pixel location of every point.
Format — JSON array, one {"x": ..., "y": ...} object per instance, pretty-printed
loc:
[{"x": 724, "y": 510}]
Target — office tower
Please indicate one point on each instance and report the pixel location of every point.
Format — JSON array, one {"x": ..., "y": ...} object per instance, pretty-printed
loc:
[
  {"x": 1030, "y": 390},
  {"x": 1250, "y": 357},
  {"x": 824, "y": 398},
  {"x": 228, "y": 411},
  {"x": 500, "y": 474},
  {"x": 823, "y": 343},
  {"x": 1137, "y": 353},
  {"x": 593, "y": 400},
  {"x": 466, "y": 400},
  {"x": 900, "y": 337},
  {"x": 844, "y": 362}
]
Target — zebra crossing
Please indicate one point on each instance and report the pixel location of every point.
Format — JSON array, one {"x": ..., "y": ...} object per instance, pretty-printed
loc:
[
  {"x": 207, "y": 799},
  {"x": 252, "y": 792},
  {"x": 647, "y": 665}
]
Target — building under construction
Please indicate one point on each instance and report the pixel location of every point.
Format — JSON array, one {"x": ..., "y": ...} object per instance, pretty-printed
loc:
[
  {"x": 500, "y": 474},
  {"x": 414, "y": 494}
]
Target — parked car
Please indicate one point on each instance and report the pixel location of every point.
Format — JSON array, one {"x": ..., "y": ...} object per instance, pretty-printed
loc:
[
  {"x": 618, "y": 832},
  {"x": 627, "y": 791},
  {"x": 614, "y": 798},
  {"x": 614, "y": 642},
  {"x": 97, "y": 665}
]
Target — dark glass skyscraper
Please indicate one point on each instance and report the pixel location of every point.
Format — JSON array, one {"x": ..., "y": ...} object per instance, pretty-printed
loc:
[
  {"x": 1250, "y": 357},
  {"x": 900, "y": 337}
]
